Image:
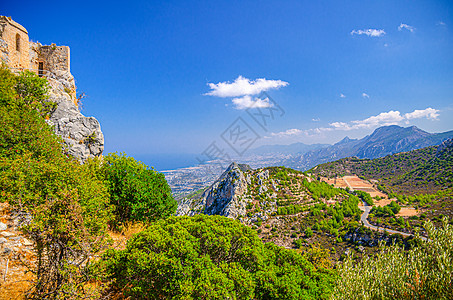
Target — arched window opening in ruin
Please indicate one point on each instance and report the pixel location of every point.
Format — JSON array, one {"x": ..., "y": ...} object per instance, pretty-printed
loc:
[
  {"x": 40, "y": 69},
  {"x": 17, "y": 42}
]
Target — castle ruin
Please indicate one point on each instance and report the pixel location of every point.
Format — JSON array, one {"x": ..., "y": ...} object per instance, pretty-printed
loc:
[
  {"x": 19, "y": 53},
  {"x": 82, "y": 135}
]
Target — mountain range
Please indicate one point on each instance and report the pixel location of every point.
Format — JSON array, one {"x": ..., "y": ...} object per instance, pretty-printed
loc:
[
  {"x": 383, "y": 141},
  {"x": 296, "y": 148}
]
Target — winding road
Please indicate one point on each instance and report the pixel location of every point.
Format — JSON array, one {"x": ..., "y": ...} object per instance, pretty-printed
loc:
[
  {"x": 364, "y": 219},
  {"x": 366, "y": 211}
]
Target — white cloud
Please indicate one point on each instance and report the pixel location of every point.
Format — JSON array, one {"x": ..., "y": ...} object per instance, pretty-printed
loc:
[
  {"x": 383, "y": 119},
  {"x": 339, "y": 125},
  {"x": 405, "y": 26},
  {"x": 288, "y": 132},
  {"x": 429, "y": 113},
  {"x": 316, "y": 120},
  {"x": 369, "y": 32},
  {"x": 251, "y": 102},
  {"x": 392, "y": 117},
  {"x": 242, "y": 86},
  {"x": 342, "y": 96},
  {"x": 441, "y": 23},
  {"x": 365, "y": 95}
]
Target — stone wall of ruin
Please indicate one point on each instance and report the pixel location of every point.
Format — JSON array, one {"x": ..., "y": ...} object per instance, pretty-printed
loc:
[
  {"x": 15, "y": 56},
  {"x": 55, "y": 58}
]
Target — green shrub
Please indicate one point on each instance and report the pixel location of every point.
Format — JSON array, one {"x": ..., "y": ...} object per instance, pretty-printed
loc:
[
  {"x": 298, "y": 243},
  {"x": 424, "y": 272},
  {"x": 211, "y": 257}
]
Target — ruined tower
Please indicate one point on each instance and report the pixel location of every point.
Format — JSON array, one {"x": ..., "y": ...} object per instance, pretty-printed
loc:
[{"x": 19, "y": 53}]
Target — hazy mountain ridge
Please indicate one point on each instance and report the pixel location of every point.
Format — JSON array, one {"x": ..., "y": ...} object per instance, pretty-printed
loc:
[
  {"x": 383, "y": 141},
  {"x": 294, "y": 148}
]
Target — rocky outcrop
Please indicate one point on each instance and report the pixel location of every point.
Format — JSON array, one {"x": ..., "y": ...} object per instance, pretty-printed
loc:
[
  {"x": 231, "y": 196},
  {"x": 82, "y": 135},
  {"x": 224, "y": 196}
]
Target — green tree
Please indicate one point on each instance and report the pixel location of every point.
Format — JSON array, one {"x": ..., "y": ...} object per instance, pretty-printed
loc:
[
  {"x": 67, "y": 205},
  {"x": 211, "y": 257},
  {"x": 137, "y": 192},
  {"x": 308, "y": 232}
]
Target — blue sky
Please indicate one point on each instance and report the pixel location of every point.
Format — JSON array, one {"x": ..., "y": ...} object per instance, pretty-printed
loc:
[{"x": 336, "y": 68}]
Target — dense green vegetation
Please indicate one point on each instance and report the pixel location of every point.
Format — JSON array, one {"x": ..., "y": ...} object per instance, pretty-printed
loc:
[
  {"x": 424, "y": 272},
  {"x": 365, "y": 197},
  {"x": 137, "y": 192},
  {"x": 319, "y": 189},
  {"x": 68, "y": 205},
  {"x": 212, "y": 257},
  {"x": 289, "y": 209},
  {"x": 388, "y": 210},
  {"x": 420, "y": 171}
]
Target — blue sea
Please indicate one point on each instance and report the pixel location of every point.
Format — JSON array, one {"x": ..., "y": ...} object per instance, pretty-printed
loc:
[{"x": 165, "y": 161}]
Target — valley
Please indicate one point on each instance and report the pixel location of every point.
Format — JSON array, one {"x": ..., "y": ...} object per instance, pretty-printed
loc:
[
  {"x": 325, "y": 208},
  {"x": 384, "y": 141}
]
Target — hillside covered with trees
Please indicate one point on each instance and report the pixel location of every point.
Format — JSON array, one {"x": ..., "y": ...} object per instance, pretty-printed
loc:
[{"x": 425, "y": 170}]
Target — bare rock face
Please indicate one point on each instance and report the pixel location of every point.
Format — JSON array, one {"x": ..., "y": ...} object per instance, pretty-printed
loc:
[
  {"x": 224, "y": 196},
  {"x": 82, "y": 135}
]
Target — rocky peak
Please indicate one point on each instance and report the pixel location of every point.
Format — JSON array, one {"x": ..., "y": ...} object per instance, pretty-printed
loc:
[
  {"x": 447, "y": 144},
  {"x": 223, "y": 197}
]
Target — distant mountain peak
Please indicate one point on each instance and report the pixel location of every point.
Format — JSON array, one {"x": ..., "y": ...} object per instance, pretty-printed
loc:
[
  {"x": 385, "y": 140},
  {"x": 345, "y": 140},
  {"x": 392, "y": 132}
]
